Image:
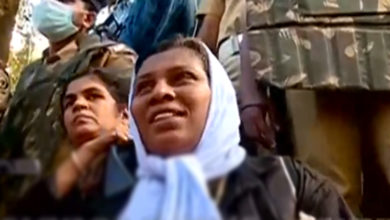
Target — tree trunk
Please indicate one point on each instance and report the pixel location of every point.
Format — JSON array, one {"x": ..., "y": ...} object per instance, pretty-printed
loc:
[{"x": 8, "y": 9}]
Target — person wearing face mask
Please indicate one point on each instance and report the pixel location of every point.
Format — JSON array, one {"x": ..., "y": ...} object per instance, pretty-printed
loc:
[
  {"x": 31, "y": 127},
  {"x": 185, "y": 127}
]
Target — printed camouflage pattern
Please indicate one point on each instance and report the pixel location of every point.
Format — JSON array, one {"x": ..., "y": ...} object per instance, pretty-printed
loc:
[
  {"x": 5, "y": 90},
  {"x": 321, "y": 44},
  {"x": 282, "y": 12},
  {"x": 32, "y": 126}
]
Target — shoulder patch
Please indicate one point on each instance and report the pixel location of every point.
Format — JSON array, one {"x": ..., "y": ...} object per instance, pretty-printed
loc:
[{"x": 119, "y": 48}]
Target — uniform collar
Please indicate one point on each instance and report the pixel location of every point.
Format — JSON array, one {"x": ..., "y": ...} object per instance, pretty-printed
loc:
[
  {"x": 67, "y": 51},
  {"x": 64, "y": 53}
]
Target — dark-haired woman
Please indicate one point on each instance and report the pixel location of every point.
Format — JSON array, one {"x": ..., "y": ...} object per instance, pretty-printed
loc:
[
  {"x": 185, "y": 124},
  {"x": 97, "y": 176}
]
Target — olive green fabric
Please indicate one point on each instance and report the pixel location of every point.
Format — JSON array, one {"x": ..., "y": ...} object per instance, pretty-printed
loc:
[
  {"x": 32, "y": 126},
  {"x": 286, "y": 12},
  {"x": 321, "y": 44}
]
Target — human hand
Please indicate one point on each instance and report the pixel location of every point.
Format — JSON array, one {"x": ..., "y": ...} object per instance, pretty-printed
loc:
[{"x": 259, "y": 124}]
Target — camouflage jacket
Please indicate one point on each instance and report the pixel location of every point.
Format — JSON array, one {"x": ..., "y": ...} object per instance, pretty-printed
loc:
[
  {"x": 32, "y": 126},
  {"x": 339, "y": 44},
  {"x": 5, "y": 91}
]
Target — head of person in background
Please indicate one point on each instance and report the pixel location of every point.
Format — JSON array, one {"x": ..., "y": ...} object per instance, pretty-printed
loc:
[
  {"x": 61, "y": 20},
  {"x": 92, "y": 106},
  {"x": 95, "y": 118}
]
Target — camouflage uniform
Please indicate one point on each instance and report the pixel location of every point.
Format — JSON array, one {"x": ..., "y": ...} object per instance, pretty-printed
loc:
[
  {"x": 339, "y": 51},
  {"x": 32, "y": 126},
  {"x": 303, "y": 47},
  {"x": 229, "y": 12},
  {"x": 5, "y": 90}
]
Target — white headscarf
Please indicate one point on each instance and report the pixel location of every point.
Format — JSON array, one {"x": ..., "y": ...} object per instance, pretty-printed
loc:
[{"x": 175, "y": 188}]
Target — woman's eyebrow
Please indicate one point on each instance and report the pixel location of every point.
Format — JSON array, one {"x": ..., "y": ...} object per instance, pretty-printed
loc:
[
  {"x": 144, "y": 76},
  {"x": 88, "y": 90},
  {"x": 170, "y": 69},
  {"x": 69, "y": 97},
  {"x": 91, "y": 90}
]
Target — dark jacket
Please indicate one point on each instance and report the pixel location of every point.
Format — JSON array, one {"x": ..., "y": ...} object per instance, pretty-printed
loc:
[
  {"x": 271, "y": 187},
  {"x": 261, "y": 188},
  {"x": 103, "y": 202}
]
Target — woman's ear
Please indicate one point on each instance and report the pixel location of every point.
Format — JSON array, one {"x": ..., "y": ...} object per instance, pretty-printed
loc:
[
  {"x": 125, "y": 114},
  {"x": 123, "y": 111}
]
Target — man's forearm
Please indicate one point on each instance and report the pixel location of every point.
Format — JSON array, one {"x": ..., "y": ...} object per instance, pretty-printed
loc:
[{"x": 208, "y": 31}]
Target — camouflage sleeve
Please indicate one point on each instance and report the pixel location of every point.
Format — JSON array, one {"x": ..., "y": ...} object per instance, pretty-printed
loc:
[
  {"x": 212, "y": 7},
  {"x": 8, "y": 124},
  {"x": 26, "y": 73},
  {"x": 121, "y": 56},
  {"x": 123, "y": 59},
  {"x": 5, "y": 89}
]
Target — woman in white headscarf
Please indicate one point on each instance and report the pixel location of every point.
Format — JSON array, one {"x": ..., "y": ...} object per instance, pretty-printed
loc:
[{"x": 185, "y": 125}]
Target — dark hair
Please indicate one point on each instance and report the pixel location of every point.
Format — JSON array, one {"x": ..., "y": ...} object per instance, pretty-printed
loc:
[
  {"x": 90, "y": 5},
  {"x": 116, "y": 86},
  {"x": 192, "y": 44}
]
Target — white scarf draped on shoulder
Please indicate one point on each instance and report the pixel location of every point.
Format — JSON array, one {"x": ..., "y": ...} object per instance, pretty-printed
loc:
[{"x": 175, "y": 188}]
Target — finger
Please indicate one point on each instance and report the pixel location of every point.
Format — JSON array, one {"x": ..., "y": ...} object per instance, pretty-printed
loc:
[
  {"x": 273, "y": 120},
  {"x": 100, "y": 144},
  {"x": 267, "y": 136},
  {"x": 125, "y": 125},
  {"x": 262, "y": 138},
  {"x": 123, "y": 128},
  {"x": 124, "y": 132},
  {"x": 122, "y": 137},
  {"x": 250, "y": 129}
]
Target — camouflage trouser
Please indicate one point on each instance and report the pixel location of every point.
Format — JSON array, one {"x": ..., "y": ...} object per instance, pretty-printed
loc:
[
  {"x": 331, "y": 130},
  {"x": 346, "y": 136}
]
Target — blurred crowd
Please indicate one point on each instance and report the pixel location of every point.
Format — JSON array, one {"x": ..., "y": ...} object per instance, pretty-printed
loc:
[{"x": 201, "y": 109}]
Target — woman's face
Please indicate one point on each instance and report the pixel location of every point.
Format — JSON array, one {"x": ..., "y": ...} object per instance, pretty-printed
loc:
[
  {"x": 171, "y": 101},
  {"x": 89, "y": 108}
]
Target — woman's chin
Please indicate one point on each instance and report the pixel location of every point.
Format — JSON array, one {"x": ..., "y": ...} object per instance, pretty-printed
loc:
[{"x": 170, "y": 144}]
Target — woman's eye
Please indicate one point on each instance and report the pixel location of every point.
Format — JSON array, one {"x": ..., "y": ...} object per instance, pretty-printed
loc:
[
  {"x": 143, "y": 88},
  {"x": 93, "y": 97},
  {"x": 184, "y": 77},
  {"x": 66, "y": 105}
]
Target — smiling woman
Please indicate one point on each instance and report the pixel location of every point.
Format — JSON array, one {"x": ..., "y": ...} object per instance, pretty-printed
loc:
[
  {"x": 174, "y": 94},
  {"x": 186, "y": 133}
]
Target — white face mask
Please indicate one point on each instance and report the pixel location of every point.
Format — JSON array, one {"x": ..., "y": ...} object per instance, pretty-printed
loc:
[{"x": 54, "y": 20}]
